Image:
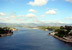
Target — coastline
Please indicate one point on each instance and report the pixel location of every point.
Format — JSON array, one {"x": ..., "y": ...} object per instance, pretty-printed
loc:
[
  {"x": 62, "y": 39},
  {"x": 10, "y": 33},
  {"x": 13, "y": 29}
]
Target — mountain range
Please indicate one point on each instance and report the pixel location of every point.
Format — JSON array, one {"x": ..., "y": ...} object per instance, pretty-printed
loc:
[{"x": 33, "y": 24}]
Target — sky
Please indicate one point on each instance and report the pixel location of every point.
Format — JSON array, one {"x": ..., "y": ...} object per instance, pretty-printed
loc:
[{"x": 36, "y": 11}]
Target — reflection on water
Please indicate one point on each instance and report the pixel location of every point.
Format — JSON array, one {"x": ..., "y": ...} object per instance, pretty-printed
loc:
[{"x": 32, "y": 39}]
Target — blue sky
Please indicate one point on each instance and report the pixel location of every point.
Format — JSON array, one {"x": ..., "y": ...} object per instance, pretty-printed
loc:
[{"x": 36, "y": 11}]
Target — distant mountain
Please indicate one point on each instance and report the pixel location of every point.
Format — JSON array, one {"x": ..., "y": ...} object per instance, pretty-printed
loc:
[
  {"x": 33, "y": 24},
  {"x": 47, "y": 24}
]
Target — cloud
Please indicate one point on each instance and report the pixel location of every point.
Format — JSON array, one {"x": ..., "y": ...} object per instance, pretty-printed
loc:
[
  {"x": 48, "y": 21},
  {"x": 68, "y": 18},
  {"x": 4, "y": 19},
  {"x": 55, "y": 21},
  {"x": 69, "y": 1},
  {"x": 2, "y": 14},
  {"x": 53, "y": 12},
  {"x": 32, "y": 10},
  {"x": 38, "y": 2},
  {"x": 43, "y": 21},
  {"x": 30, "y": 15},
  {"x": 42, "y": 16},
  {"x": 21, "y": 16},
  {"x": 13, "y": 14}
]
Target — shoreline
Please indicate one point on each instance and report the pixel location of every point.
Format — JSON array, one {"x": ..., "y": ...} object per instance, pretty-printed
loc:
[
  {"x": 62, "y": 39},
  {"x": 3, "y": 35},
  {"x": 13, "y": 29},
  {"x": 10, "y": 33}
]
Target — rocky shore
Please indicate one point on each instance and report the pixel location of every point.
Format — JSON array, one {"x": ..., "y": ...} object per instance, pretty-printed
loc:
[
  {"x": 8, "y": 34},
  {"x": 64, "y": 39}
]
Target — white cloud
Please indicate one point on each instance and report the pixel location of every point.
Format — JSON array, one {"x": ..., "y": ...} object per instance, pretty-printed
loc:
[
  {"x": 53, "y": 12},
  {"x": 21, "y": 16},
  {"x": 38, "y": 2},
  {"x": 55, "y": 21},
  {"x": 43, "y": 20},
  {"x": 4, "y": 19},
  {"x": 42, "y": 15},
  {"x": 69, "y": 1},
  {"x": 32, "y": 10},
  {"x": 2, "y": 14},
  {"x": 12, "y": 16},
  {"x": 31, "y": 15},
  {"x": 48, "y": 21},
  {"x": 61, "y": 22},
  {"x": 68, "y": 18}
]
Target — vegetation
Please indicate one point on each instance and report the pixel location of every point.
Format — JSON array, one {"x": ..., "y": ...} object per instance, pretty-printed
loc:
[
  {"x": 5, "y": 30},
  {"x": 64, "y": 31},
  {"x": 49, "y": 27}
]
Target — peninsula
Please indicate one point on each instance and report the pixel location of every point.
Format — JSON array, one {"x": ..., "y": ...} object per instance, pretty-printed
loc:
[{"x": 5, "y": 31}]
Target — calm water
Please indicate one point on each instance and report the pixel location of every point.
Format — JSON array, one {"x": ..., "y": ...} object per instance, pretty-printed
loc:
[{"x": 32, "y": 39}]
